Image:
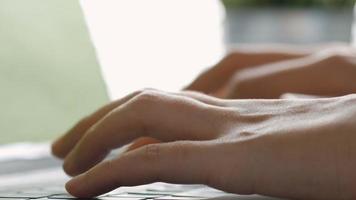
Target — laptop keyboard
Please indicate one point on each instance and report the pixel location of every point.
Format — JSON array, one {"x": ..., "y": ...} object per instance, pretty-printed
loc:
[{"x": 159, "y": 191}]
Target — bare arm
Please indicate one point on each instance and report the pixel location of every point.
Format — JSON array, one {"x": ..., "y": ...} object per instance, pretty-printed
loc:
[{"x": 300, "y": 149}]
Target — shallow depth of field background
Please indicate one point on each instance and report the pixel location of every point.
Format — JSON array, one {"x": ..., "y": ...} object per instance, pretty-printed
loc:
[{"x": 52, "y": 69}]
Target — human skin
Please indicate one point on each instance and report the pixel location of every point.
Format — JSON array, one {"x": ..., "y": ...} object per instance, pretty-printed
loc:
[
  {"x": 291, "y": 148},
  {"x": 270, "y": 72},
  {"x": 272, "y": 147}
]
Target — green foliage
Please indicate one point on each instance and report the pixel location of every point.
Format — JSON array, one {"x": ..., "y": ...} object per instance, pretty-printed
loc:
[{"x": 289, "y": 3}]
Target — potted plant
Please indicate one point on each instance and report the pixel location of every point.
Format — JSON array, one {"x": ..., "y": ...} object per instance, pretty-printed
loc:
[{"x": 289, "y": 21}]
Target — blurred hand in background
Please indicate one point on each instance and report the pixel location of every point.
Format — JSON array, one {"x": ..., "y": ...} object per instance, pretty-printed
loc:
[{"x": 270, "y": 72}]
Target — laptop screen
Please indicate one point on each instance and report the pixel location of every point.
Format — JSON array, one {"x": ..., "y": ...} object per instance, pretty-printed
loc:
[{"x": 49, "y": 74}]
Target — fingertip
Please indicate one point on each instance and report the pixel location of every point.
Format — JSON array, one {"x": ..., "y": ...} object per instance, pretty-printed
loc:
[
  {"x": 70, "y": 187},
  {"x": 69, "y": 168},
  {"x": 75, "y": 187},
  {"x": 83, "y": 186},
  {"x": 57, "y": 150}
]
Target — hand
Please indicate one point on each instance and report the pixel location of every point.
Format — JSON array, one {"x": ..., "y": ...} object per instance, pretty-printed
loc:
[
  {"x": 302, "y": 149},
  {"x": 270, "y": 74}
]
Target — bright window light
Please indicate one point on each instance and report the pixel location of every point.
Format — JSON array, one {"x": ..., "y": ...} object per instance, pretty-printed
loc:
[{"x": 161, "y": 44}]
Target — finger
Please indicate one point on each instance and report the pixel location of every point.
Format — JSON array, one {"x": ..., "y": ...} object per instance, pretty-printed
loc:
[
  {"x": 63, "y": 145},
  {"x": 162, "y": 116},
  {"x": 214, "y": 79},
  {"x": 312, "y": 75},
  {"x": 203, "y": 98},
  {"x": 142, "y": 141},
  {"x": 177, "y": 162}
]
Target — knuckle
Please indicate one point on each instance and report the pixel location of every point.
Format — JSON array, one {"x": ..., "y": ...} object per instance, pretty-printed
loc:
[
  {"x": 143, "y": 90},
  {"x": 148, "y": 97},
  {"x": 142, "y": 109},
  {"x": 145, "y": 102}
]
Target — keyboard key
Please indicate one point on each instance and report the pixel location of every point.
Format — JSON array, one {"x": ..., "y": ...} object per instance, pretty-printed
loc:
[
  {"x": 205, "y": 192},
  {"x": 150, "y": 193},
  {"x": 134, "y": 195},
  {"x": 54, "y": 189},
  {"x": 5, "y": 198},
  {"x": 37, "y": 192},
  {"x": 20, "y": 195},
  {"x": 171, "y": 188},
  {"x": 62, "y": 196},
  {"x": 178, "y": 198},
  {"x": 120, "y": 198}
]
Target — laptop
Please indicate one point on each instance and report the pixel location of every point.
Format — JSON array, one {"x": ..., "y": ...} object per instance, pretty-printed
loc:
[{"x": 49, "y": 79}]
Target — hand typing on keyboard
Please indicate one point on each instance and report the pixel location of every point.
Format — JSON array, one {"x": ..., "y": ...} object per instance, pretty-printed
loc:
[{"x": 296, "y": 148}]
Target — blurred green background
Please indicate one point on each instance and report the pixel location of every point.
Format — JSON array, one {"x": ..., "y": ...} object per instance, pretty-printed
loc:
[{"x": 49, "y": 75}]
